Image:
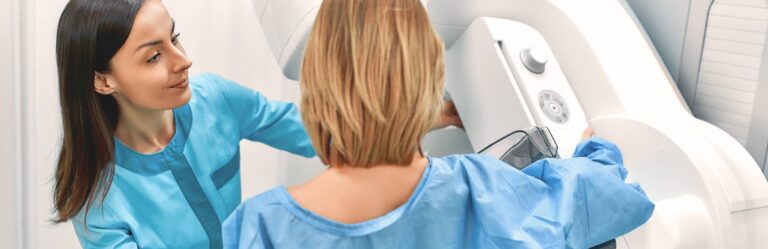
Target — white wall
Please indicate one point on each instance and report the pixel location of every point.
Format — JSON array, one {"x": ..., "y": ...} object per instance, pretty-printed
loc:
[
  {"x": 41, "y": 124},
  {"x": 9, "y": 152},
  {"x": 222, "y": 37}
]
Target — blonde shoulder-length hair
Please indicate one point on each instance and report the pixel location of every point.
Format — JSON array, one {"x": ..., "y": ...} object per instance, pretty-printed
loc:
[{"x": 371, "y": 81}]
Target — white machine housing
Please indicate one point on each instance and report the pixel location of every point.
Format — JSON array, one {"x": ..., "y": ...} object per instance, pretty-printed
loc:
[
  {"x": 715, "y": 51},
  {"x": 488, "y": 64},
  {"x": 286, "y": 25}
]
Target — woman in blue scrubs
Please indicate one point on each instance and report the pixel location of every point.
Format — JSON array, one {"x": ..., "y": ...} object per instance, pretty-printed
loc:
[{"x": 150, "y": 156}]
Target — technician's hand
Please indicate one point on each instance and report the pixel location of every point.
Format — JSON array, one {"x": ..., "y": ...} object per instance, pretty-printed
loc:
[
  {"x": 448, "y": 116},
  {"x": 588, "y": 133}
]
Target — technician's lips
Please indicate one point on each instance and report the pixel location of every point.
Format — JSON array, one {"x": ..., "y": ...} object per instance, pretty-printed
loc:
[{"x": 181, "y": 84}]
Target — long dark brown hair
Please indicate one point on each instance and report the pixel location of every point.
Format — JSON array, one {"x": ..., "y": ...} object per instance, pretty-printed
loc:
[{"x": 90, "y": 32}]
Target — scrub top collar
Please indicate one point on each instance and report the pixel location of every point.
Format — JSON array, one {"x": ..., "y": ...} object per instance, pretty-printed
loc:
[{"x": 149, "y": 164}]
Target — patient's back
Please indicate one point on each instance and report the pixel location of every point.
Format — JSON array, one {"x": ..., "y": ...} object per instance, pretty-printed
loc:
[
  {"x": 349, "y": 194},
  {"x": 468, "y": 201}
]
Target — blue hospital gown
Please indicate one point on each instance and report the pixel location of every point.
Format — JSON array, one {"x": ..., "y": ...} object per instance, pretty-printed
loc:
[
  {"x": 469, "y": 201},
  {"x": 178, "y": 197}
]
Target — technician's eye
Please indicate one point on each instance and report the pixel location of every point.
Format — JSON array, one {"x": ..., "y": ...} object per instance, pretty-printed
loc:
[
  {"x": 154, "y": 58},
  {"x": 175, "y": 38}
]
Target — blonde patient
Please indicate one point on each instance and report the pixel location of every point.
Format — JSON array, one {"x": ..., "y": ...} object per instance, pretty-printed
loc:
[
  {"x": 369, "y": 95},
  {"x": 372, "y": 87}
]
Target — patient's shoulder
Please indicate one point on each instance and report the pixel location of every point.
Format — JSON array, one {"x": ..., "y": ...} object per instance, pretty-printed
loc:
[
  {"x": 471, "y": 164},
  {"x": 243, "y": 226},
  {"x": 255, "y": 208},
  {"x": 262, "y": 202},
  {"x": 467, "y": 160},
  {"x": 478, "y": 173}
]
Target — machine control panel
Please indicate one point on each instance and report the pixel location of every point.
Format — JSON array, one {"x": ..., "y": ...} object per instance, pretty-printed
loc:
[
  {"x": 503, "y": 77},
  {"x": 553, "y": 106},
  {"x": 534, "y": 59}
]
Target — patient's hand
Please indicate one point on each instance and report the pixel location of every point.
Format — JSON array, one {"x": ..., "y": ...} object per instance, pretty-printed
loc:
[
  {"x": 448, "y": 116},
  {"x": 588, "y": 133}
]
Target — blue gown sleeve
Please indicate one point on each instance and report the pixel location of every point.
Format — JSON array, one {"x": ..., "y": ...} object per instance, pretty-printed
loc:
[
  {"x": 277, "y": 124},
  {"x": 231, "y": 229},
  {"x": 253, "y": 233},
  {"x": 589, "y": 194},
  {"x": 103, "y": 230}
]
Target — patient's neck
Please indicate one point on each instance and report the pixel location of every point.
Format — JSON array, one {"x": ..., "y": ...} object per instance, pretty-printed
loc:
[{"x": 354, "y": 194}]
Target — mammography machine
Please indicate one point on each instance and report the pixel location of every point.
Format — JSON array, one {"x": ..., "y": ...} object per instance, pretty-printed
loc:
[{"x": 567, "y": 65}]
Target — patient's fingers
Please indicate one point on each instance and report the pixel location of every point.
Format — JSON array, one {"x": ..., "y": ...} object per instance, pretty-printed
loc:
[{"x": 589, "y": 132}]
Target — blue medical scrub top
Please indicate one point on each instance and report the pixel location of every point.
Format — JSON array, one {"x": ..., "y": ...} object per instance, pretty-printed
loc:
[
  {"x": 178, "y": 197},
  {"x": 469, "y": 201}
]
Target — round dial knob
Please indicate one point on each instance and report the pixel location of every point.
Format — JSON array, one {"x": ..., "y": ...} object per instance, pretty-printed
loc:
[
  {"x": 535, "y": 59},
  {"x": 553, "y": 106}
]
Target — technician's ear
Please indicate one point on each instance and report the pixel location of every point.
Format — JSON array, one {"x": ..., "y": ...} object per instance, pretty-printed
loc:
[{"x": 102, "y": 85}]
